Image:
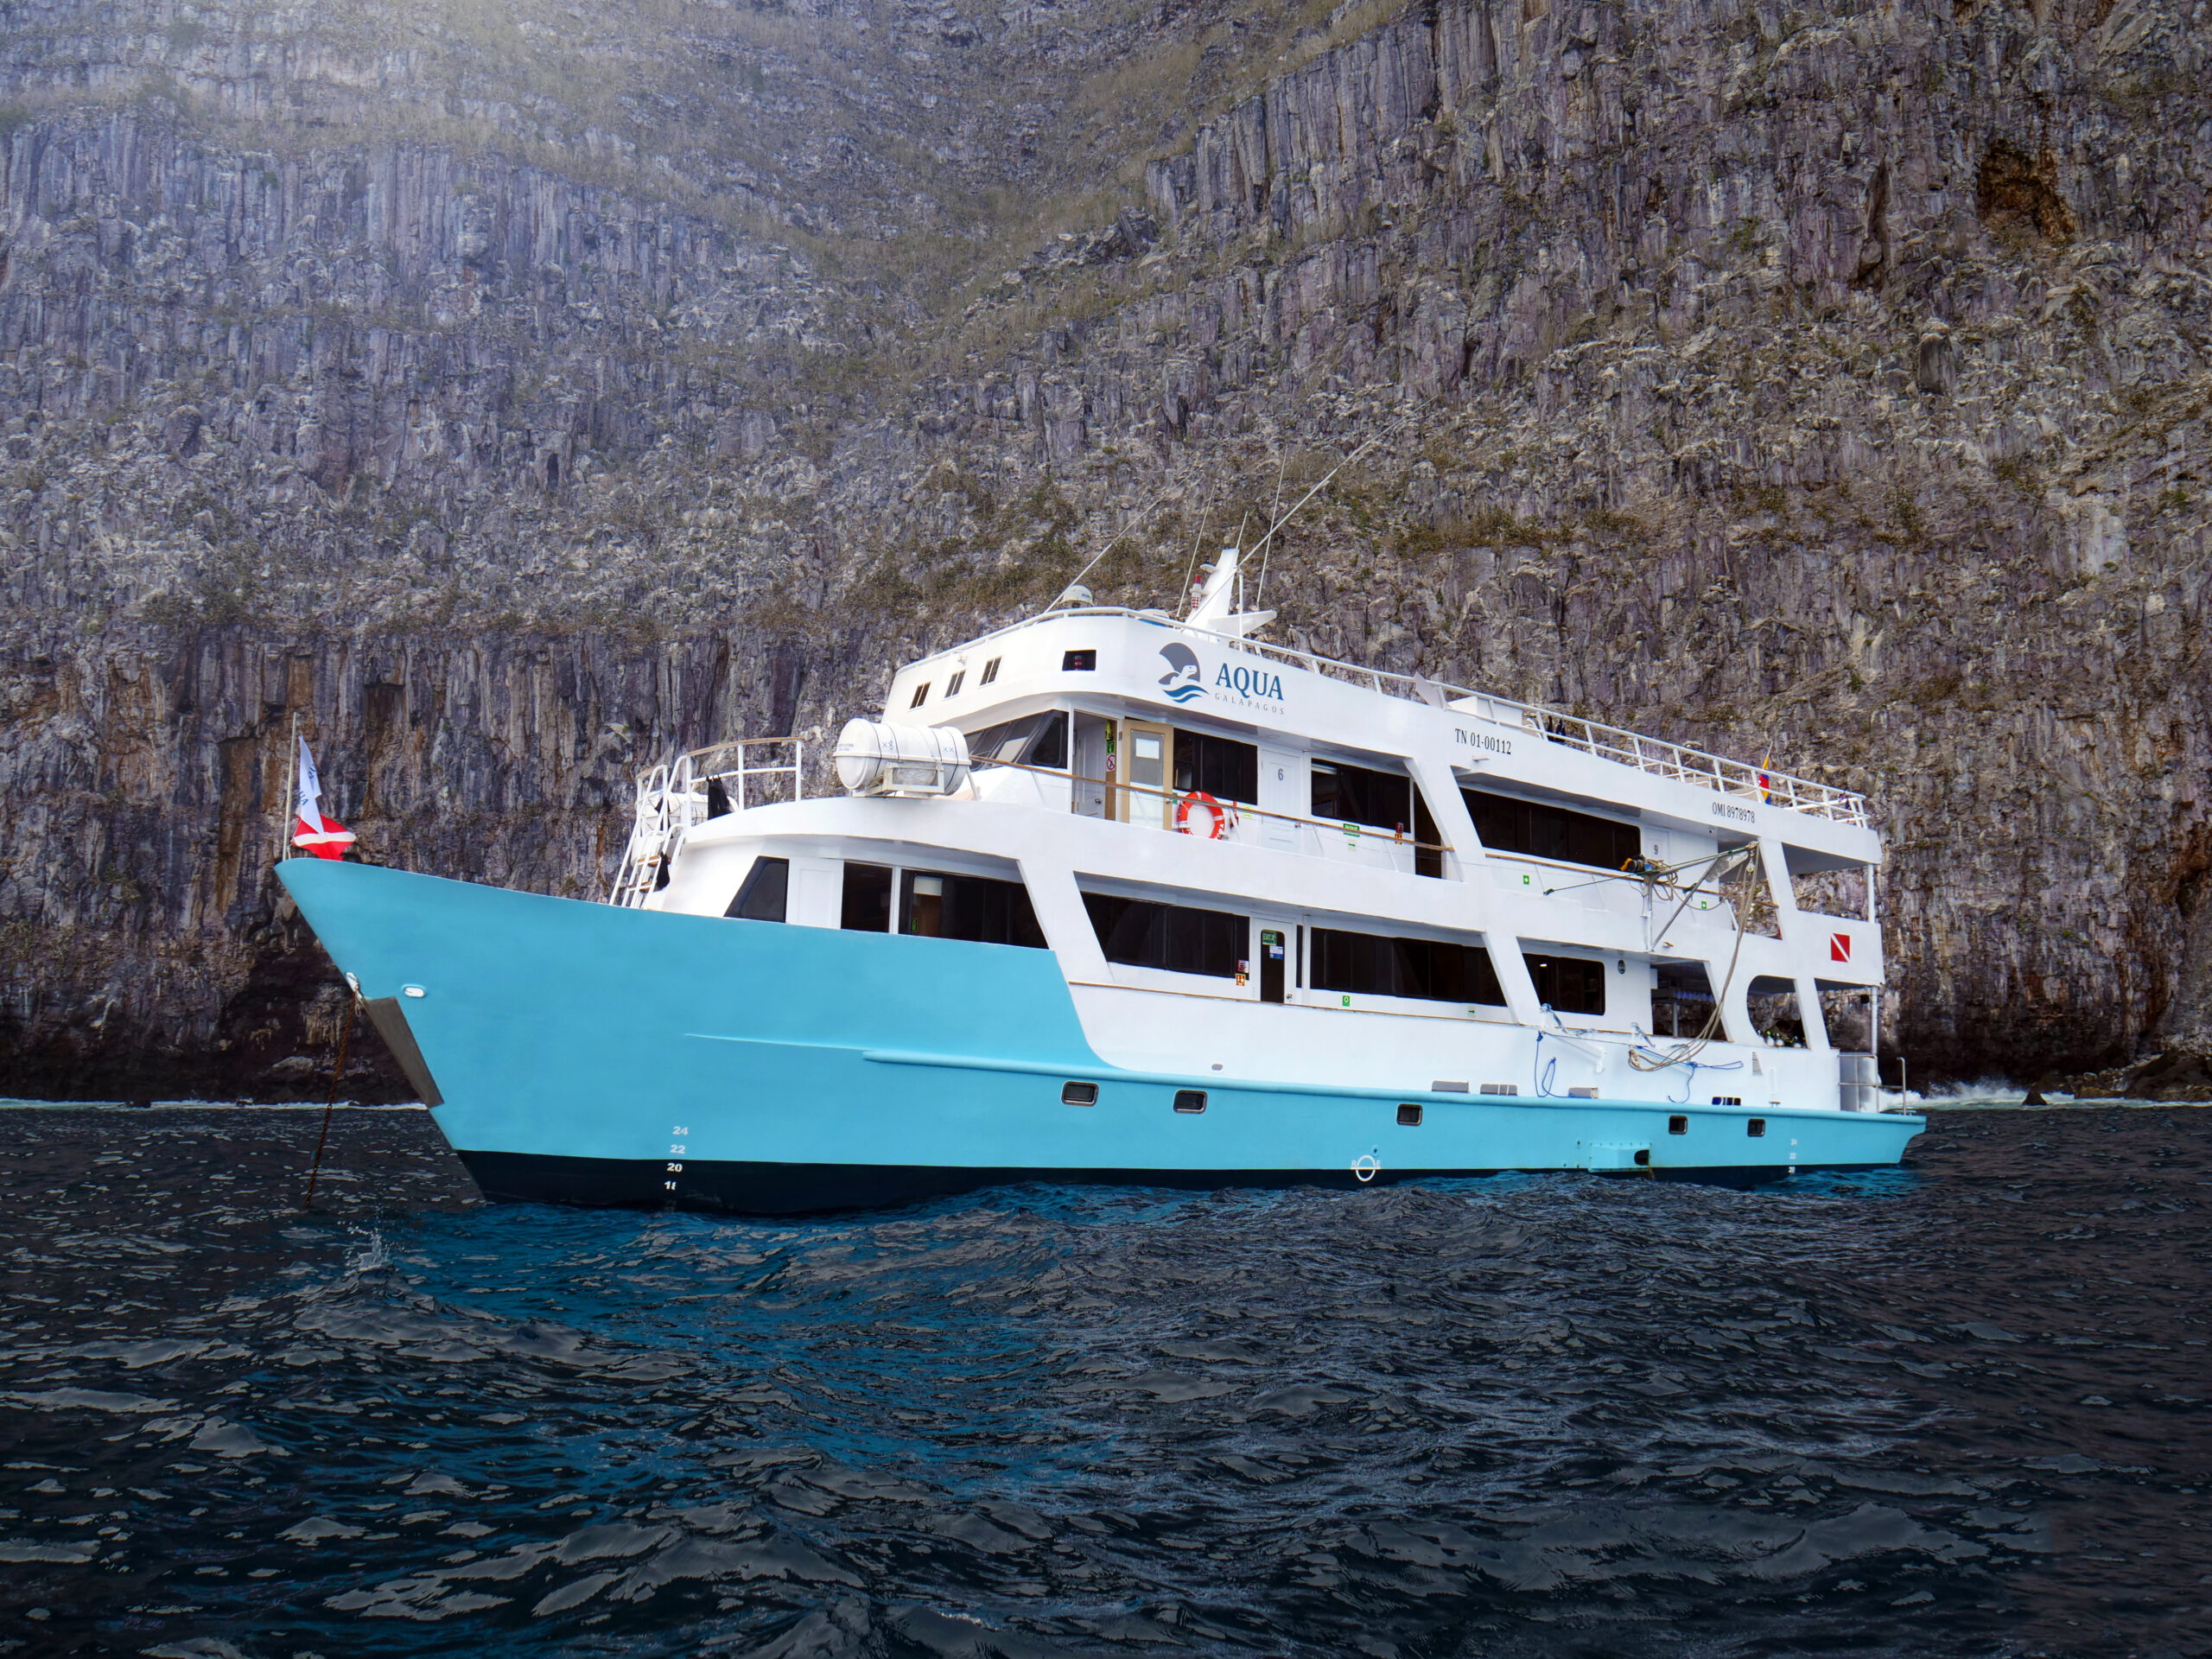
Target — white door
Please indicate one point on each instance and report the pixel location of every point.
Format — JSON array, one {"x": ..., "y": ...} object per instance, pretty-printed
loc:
[
  {"x": 1148, "y": 762},
  {"x": 1282, "y": 774},
  {"x": 1090, "y": 797}
]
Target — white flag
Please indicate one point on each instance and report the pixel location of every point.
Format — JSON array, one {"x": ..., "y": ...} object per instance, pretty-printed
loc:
[{"x": 310, "y": 790}]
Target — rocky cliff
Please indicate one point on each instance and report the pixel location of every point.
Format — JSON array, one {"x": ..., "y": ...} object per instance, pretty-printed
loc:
[{"x": 506, "y": 400}]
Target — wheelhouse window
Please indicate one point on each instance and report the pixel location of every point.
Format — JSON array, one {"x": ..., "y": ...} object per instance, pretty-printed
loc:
[
  {"x": 990, "y": 671},
  {"x": 1569, "y": 984},
  {"x": 952, "y": 686},
  {"x": 937, "y": 905},
  {"x": 1177, "y": 938},
  {"x": 921, "y": 695},
  {"x": 1508, "y": 825},
  {"x": 1219, "y": 766},
  {"x": 1031, "y": 741},
  {"x": 762, "y": 897},
  {"x": 867, "y": 898},
  {"x": 1348, "y": 794},
  {"x": 1430, "y": 970}
]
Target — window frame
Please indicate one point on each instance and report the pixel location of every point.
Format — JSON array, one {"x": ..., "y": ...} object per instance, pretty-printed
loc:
[
  {"x": 1205, "y": 778},
  {"x": 952, "y": 905},
  {"x": 1320, "y": 941},
  {"x": 1593, "y": 973},
  {"x": 1055, "y": 718},
  {"x": 761, "y": 868},
  {"x": 1228, "y": 924},
  {"x": 846, "y": 895},
  {"x": 1626, "y": 834},
  {"x": 1336, "y": 768}
]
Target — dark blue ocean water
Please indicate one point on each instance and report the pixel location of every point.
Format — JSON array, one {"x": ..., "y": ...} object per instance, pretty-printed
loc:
[{"x": 1959, "y": 1408}]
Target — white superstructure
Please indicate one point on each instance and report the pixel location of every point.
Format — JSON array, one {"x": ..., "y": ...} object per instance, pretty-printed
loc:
[{"x": 1256, "y": 862}]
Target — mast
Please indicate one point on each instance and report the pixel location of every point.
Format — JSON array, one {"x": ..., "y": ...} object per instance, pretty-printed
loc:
[{"x": 284, "y": 803}]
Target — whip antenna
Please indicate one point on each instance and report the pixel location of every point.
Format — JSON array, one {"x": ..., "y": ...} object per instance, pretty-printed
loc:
[
  {"x": 1133, "y": 521},
  {"x": 1266, "y": 542}
]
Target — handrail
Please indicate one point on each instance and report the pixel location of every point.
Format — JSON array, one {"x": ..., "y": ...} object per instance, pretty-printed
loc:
[
  {"x": 1397, "y": 839},
  {"x": 674, "y": 797},
  {"x": 742, "y": 773},
  {"x": 1658, "y": 756}
]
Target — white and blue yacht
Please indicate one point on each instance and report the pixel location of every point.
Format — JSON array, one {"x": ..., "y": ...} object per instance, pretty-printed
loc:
[{"x": 1113, "y": 896}]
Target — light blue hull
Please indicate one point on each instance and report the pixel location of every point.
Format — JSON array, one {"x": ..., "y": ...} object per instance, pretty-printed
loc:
[{"x": 586, "y": 1054}]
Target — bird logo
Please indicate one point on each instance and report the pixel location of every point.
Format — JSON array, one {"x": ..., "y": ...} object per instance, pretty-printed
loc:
[{"x": 1181, "y": 682}]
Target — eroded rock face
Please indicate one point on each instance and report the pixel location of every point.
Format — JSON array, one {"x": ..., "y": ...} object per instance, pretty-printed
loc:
[{"x": 510, "y": 403}]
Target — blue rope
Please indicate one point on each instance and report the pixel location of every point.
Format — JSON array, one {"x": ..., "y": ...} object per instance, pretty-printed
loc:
[{"x": 1689, "y": 1082}]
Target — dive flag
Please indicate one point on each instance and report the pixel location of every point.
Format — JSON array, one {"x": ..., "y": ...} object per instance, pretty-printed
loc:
[
  {"x": 1839, "y": 947},
  {"x": 323, "y": 836}
]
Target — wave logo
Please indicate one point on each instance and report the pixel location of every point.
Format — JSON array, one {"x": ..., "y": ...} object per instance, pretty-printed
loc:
[{"x": 1182, "y": 682}]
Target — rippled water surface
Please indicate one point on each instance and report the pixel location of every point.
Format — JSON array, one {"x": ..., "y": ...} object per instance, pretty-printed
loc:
[{"x": 1958, "y": 1408}]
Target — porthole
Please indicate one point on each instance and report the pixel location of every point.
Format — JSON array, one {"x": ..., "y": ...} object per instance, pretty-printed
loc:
[
  {"x": 1078, "y": 1094},
  {"x": 1409, "y": 1115},
  {"x": 1755, "y": 1127},
  {"x": 1190, "y": 1100},
  {"x": 1678, "y": 1125}
]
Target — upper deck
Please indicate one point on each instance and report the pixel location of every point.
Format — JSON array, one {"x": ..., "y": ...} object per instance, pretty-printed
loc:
[{"x": 1140, "y": 658}]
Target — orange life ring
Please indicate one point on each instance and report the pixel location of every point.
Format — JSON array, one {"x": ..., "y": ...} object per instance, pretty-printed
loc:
[{"x": 1219, "y": 816}]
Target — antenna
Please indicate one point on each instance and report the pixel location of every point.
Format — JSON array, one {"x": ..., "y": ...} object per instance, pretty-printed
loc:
[
  {"x": 1197, "y": 542},
  {"x": 1130, "y": 523},
  {"x": 1266, "y": 542},
  {"x": 1282, "y": 469},
  {"x": 1188, "y": 606}
]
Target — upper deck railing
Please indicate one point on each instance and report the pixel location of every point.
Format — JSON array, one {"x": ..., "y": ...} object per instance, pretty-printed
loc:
[
  {"x": 674, "y": 798},
  {"x": 1674, "y": 761}
]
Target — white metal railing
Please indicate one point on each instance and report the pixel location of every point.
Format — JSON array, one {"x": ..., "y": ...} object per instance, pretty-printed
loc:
[
  {"x": 1147, "y": 806},
  {"x": 1649, "y": 754},
  {"x": 674, "y": 798}
]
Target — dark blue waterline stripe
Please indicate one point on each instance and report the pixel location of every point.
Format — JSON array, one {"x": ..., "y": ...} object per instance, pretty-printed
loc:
[{"x": 732, "y": 1187}]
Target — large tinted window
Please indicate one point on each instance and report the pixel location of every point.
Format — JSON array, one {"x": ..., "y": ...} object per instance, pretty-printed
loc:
[
  {"x": 942, "y": 906},
  {"x": 1343, "y": 794},
  {"x": 1432, "y": 969},
  {"x": 1223, "y": 767},
  {"x": 1031, "y": 741},
  {"x": 761, "y": 898},
  {"x": 867, "y": 898},
  {"x": 1507, "y": 825},
  {"x": 1569, "y": 984},
  {"x": 1174, "y": 937}
]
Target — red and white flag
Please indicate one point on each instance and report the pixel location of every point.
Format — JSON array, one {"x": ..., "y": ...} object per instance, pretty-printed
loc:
[{"x": 323, "y": 836}]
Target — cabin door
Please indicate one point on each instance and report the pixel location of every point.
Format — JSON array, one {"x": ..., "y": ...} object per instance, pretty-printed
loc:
[
  {"x": 1282, "y": 777},
  {"x": 1093, "y": 754},
  {"x": 1274, "y": 963},
  {"x": 1148, "y": 763}
]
